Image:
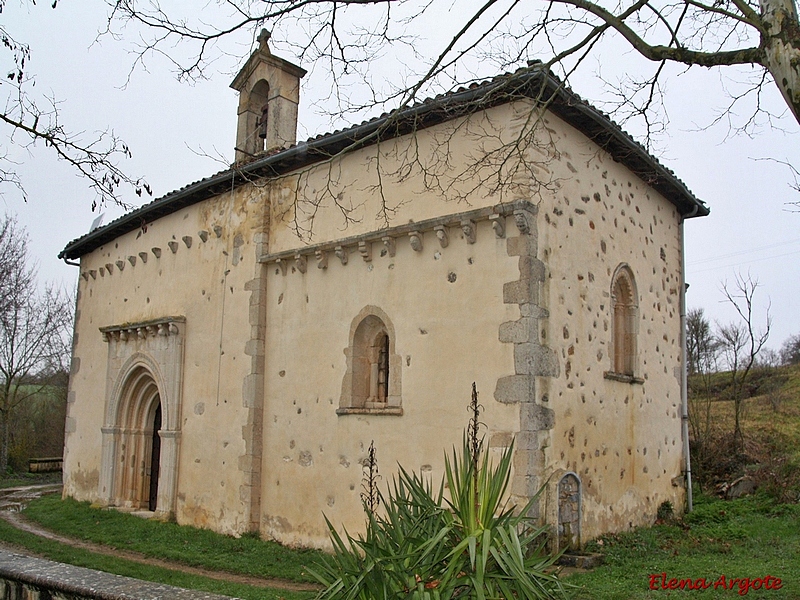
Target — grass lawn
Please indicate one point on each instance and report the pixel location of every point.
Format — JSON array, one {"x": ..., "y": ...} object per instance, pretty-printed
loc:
[
  {"x": 23, "y": 479},
  {"x": 197, "y": 547},
  {"x": 746, "y": 538},
  {"x": 82, "y": 558}
]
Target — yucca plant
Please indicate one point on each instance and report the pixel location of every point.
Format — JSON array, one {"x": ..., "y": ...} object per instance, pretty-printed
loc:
[{"x": 425, "y": 545}]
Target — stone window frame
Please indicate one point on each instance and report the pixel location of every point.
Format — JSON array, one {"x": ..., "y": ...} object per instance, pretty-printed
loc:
[
  {"x": 624, "y": 327},
  {"x": 369, "y": 333}
]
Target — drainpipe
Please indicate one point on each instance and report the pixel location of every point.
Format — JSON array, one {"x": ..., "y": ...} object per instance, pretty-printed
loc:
[{"x": 684, "y": 369}]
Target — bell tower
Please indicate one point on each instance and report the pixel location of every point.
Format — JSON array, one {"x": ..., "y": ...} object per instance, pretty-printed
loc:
[{"x": 269, "y": 93}]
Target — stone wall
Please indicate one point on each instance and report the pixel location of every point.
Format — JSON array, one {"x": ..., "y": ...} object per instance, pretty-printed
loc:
[{"x": 27, "y": 578}]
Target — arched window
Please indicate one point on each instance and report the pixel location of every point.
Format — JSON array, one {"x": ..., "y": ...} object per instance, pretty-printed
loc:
[
  {"x": 625, "y": 313},
  {"x": 372, "y": 380}
]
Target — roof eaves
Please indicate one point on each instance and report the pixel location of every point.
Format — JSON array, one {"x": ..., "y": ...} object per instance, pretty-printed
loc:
[{"x": 526, "y": 82}]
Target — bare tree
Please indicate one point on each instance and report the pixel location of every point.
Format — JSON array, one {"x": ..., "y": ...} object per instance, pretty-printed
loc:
[
  {"x": 790, "y": 351},
  {"x": 32, "y": 120},
  {"x": 741, "y": 344},
  {"x": 702, "y": 349},
  {"x": 347, "y": 35},
  {"x": 34, "y": 329}
]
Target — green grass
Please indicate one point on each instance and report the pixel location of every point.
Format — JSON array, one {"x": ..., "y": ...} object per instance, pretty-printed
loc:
[
  {"x": 247, "y": 555},
  {"x": 750, "y": 537},
  {"x": 82, "y": 558},
  {"x": 23, "y": 479}
]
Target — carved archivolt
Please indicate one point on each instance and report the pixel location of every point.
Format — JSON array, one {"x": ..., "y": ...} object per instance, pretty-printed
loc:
[{"x": 144, "y": 370}]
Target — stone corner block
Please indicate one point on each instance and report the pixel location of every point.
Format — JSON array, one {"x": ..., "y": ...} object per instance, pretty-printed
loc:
[
  {"x": 514, "y": 389},
  {"x": 535, "y": 359},
  {"x": 517, "y": 332}
]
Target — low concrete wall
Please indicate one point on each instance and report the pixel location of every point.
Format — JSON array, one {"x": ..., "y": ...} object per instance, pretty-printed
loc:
[{"x": 26, "y": 578}]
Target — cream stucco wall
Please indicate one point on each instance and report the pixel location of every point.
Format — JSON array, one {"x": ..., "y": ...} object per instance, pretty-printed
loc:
[
  {"x": 445, "y": 306},
  {"x": 205, "y": 283}
]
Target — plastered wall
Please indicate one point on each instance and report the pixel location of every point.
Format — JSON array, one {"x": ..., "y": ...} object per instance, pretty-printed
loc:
[{"x": 178, "y": 273}]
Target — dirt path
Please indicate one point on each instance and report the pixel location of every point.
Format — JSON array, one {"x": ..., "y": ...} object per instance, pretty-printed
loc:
[{"x": 17, "y": 520}]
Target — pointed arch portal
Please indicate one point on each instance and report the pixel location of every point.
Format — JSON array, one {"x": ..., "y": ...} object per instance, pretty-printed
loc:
[{"x": 141, "y": 431}]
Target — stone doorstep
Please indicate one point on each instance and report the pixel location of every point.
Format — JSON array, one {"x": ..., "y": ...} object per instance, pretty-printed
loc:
[{"x": 86, "y": 583}]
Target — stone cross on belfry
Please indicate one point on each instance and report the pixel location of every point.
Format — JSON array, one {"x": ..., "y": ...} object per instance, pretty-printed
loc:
[{"x": 263, "y": 38}]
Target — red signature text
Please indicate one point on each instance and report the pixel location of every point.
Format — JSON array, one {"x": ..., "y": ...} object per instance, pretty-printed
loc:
[{"x": 660, "y": 581}]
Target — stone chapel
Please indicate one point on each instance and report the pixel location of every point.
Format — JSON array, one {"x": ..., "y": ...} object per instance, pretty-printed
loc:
[{"x": 241, "y": 341}]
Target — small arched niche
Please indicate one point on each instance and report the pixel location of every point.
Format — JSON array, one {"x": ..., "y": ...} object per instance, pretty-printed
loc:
[{"x": 569, "y": 512}]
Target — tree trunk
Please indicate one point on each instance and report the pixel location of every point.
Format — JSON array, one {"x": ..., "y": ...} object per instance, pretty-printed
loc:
[
  {"x": 3, "y": 442},
  {"x": 782, "y": 49}
]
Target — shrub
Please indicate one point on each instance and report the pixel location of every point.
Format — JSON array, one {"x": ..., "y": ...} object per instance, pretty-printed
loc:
[{"x": 424, "y": 545}]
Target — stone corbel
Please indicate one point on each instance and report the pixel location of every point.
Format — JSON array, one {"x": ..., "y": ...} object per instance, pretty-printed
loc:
[
  {"x": 322, "y": 259},
  {"x": 123, "y": 335},
  {"x": 163, "y": 329},
  {"x": 441, "y": 235},
  {"x": 365, "y": 250},
  {"x": 499, "y": 225},
  {"x": 93, "y": 273},
  {"x": 283, "y": 265},
  {"x": 341, "y": 254},
  {"x": 416, "y": 241},
  {"x": 187, "y": 239},
  {"x": 203, "y": 235},
  {"x": 102, "y": 271},
  {"x": 217, "y": 231},
  {"x": 521, "y": 219},
  {"x": 120, "y": 265},
  {"x": 132, "y": 260},
  {"x": 141, "y": 332},
  {"x": 173, "y": 245},
  {"x": 85, "y": 276},
  {"x": 106, "y": 336},
  {"x": 143, "y": 256},
  {"x": 109, "y": 268},
  {"x": 468, "y": 227},
  {"x": 301, "y": 262},
  {"x": 156, "y": 252},
  {"x": 389, "y": 244}
]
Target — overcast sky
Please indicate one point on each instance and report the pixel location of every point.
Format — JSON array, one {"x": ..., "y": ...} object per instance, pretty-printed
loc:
[{"x": 170, "y": 125}]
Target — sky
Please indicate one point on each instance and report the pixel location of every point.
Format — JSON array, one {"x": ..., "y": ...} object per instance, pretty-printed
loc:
[{"x": 175, "y": 129}]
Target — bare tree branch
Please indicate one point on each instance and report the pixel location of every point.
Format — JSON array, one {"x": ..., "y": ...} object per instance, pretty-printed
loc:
[{"x": 93, "y": 157}]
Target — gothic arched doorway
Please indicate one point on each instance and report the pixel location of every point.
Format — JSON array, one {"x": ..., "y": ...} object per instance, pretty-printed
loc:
[
  {"x": 141, "y": 427},
  {"x": 138, "y": 443}
]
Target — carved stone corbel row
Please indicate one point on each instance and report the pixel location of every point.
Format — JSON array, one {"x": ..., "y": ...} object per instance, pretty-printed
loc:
[
  {"x": 143, "y": 256},
  {"x": 441, "y": 227},
  {"x": 163, "y": 327}
]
